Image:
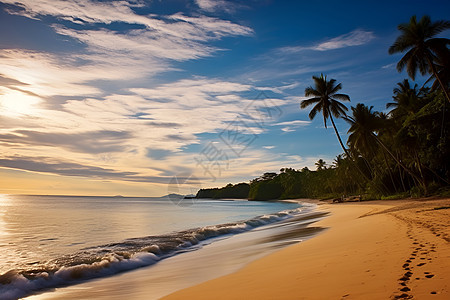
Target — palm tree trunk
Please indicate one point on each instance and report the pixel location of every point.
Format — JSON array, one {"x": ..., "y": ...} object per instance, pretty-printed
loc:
[
  {"x": 399, "y": 162},
  {"x": 339, "y": 137},
  {"x": 433, "y": 70},
  {"x": 419, "y": 166},
  {"x": 400, "y": 171},
  {"x": 347, "y": 153},
  {"x": 389, "y": 170}
]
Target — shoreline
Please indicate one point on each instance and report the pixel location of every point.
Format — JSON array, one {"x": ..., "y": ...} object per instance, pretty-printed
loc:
[
  {"x": 388, "y": 249},
  {"x": 199, "y": 265}
]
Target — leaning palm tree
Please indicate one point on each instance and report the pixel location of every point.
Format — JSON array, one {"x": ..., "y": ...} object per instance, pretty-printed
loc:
[
  {"x": 418, "y": 38},
  {"x": 326, "y": 100},
  {"x": 363, "y": 125}
]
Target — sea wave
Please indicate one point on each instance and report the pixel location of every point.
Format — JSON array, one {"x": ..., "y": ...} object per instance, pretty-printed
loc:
[{"x": 110, "y": 259}]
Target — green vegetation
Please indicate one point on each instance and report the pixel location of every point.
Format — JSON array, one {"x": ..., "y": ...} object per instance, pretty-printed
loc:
[
  {"x": 403, "y": 153},
  {"x": 237, "y": 191}
]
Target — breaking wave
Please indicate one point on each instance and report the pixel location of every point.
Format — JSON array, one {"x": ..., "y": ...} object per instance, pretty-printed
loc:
[{"x": 110, "y": 259}]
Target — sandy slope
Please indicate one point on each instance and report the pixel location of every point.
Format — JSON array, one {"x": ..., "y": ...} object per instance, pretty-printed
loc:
[{"x": 372, "y": 250}]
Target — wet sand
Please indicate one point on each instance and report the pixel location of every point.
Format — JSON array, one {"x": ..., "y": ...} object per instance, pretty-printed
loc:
[
  {"x": 372, "y": 250},
  {"x": 223, "y": 256}
]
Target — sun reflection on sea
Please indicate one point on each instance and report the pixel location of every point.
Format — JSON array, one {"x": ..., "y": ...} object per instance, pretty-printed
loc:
[{"x": 5, "y": 201}]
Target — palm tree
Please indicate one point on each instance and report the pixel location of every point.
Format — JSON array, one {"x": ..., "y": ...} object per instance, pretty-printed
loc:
[
  {"x": 418, "y": 38},
  {"x": 337, "y": 161},
  {"x": 362, "y": 124},
  {"x": 406, "y": 100},
  {"x": 325, "y": 100},
  {"x": 321, "y": 165}
]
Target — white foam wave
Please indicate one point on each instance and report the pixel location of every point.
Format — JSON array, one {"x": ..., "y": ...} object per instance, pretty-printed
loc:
[{"x": 141, "y": 252}]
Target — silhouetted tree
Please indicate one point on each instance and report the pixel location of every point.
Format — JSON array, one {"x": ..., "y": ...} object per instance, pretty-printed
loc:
[
  {"x": 326, "y": 100},
  {"x": 423, "y": 48}
]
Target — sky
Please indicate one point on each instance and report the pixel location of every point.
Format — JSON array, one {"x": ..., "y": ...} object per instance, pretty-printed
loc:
[{"x": 145, "y": 98}]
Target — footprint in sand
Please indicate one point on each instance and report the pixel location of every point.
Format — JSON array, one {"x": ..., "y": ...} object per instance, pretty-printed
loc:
[{"x": 402, "y": 296}]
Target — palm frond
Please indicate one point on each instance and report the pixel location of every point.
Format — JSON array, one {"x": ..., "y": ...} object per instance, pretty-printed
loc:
[
  {"x": 312, "y": 113},
  {"x": 404, "y": 60},
  {"x": 401, "y": 44},
  {"x": 391, "y": 104},
  {"x": 335, "y": 89},
  {"x": 310, "y": 91},
  {"x": 439, "y": 26},
  {"x": 308, "y": 102},
  {"x": 342, "y": 97}
]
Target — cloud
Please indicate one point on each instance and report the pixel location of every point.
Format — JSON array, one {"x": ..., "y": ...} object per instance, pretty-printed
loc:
[
  {"x": 389, "y": 66},
  {"x": 293, "y": 123},
  {"x": 94, "y": 12},
  {"x": 158, "y": 153},
  {"x": 51, "y": 165},
  {"x": 357, "y": 37},
  {"x": 81, "y": 11},
  {"x": 115, "y": 132},
  {"x": 86, "y": 142},
  {"x": 216, "y": 5},
  {"x": 55, "y": 166},
  {"x": 109, "y": 55},
  {"x": 124, "y": 134},
  {"x": 291, "y": 126}
]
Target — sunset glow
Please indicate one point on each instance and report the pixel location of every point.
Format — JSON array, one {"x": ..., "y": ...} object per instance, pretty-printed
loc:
[{"x": 122, "y": 96}]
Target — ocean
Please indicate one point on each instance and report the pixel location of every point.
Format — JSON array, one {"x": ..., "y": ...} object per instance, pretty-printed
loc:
[{"x": 49, "y": 242}]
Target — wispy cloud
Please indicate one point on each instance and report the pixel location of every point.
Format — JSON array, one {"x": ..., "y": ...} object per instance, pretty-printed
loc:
[
  {"x": 86, "y": 142},
  {"x": 354, "y": 38},
  {"x": 61, "y": 104},
  {"x": 291, "y": 126},
  {"x": 119, "y": 132},
  {"x": 357, "y": 37},
  {"x": 389, "y": 66},
  {"x": 51, "y": 165},
  {"x": 93, "y": 12},
  {"x": 293, "y": 123},
  {"x": 110, "y": 54},
  {"x": 215, "y": 5}
]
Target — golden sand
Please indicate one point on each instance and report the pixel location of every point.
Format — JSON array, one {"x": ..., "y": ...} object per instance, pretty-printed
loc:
[{"x": 372, "y": 250}]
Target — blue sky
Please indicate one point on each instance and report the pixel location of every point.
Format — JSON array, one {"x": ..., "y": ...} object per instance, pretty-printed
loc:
[{"x": 121, "y": 97}]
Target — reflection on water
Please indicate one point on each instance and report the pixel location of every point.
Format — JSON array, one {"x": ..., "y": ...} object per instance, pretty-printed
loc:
[
  {"x": 36, "y": 229},
  {"x": 4, "y": 203},
  {"x": 221, "y": 257}
]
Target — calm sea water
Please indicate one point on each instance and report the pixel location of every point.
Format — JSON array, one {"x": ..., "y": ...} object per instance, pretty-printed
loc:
[{"x": 48, "y": 241}]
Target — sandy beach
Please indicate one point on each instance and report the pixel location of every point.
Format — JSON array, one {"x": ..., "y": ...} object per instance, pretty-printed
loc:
[{"x": 371, "y": 250}]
